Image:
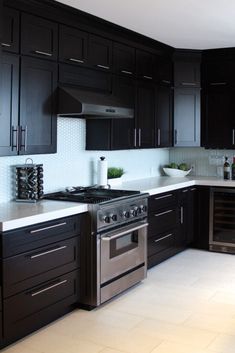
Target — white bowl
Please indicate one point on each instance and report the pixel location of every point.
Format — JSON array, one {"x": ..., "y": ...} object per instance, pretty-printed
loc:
[{"x": 176, "y": 172}]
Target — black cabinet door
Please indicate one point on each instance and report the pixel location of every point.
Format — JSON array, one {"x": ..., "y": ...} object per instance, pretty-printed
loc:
[
  {"x": 187, "y": 74},
  {"x": 145, "y": 128},
  {"x": 39, "y": 37},
  {"x": 187, "y": 117},
  {"x": 73, "y": 46},
  {"x": 123, "y": 129},
  {"x": 164, "y": 71},
  {"x": 218, "y": 73},
  {"x": 100, "y": 52},
  {"x": 163, "y": 132},
  {"x": 37, "y": 106},
  {"x": 123, "y": 59},
  {"x": 10, "y": 30},
  {"x": 9, "y": 104},
  {"x": 145, "y": 65},
  {"x": 218, "y": 118}
]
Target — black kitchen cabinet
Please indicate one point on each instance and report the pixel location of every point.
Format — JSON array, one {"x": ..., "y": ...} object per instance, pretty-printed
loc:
[
  {"x": 218, "y": 109},
  {"x": 164, "y": 117},
  {"x": 219, "y": 72},
  {"x": 73, "y": 46},
  {"x": 9, "y": 104},
  {"x": 114, "y": 134},
  {"x": 38, "y": 119},
  {"x": 123, "y": 59},
  {"x": 144, "y": 134},
  {"x": 145, "y": 65},
  {"x": 187, "y": 116},
  {"x": 41, "y": 274},
  {"x": 187, "y": 74},
  {"x": 100, "y": 52},
  {"x": 164, "y": 71},
  {"x": 10, "y": 30},
  {"x": 39, "y": 37}
]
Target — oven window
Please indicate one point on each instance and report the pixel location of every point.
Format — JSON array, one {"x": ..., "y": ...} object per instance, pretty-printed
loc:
[{"x": 123, "y": 244}]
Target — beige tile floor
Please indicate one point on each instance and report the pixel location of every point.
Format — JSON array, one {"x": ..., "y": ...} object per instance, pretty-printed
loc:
[{"x": 186, "y": 305}]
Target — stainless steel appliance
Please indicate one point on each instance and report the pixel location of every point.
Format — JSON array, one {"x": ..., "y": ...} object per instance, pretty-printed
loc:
[
  {"x": 222, "y": 220},
  {"x": 114, "y": 241}
]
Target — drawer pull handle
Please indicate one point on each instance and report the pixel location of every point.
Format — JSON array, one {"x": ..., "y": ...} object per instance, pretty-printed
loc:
[
  {"x": 48, "y": 288},
  {"x": 103, "y": 67},
  {"x": 42, "y": 53},
  {"x": 163, "y": 197},
  {"x": 5, "y": 45},
  {"x": 162, "y": 213},
  {"x": 166, "y": 81},
  {"x": 76, "y": 60},
  {"x": 166, "y": 236},
  {"x": 48, "y": 252},
  {"x": 188, "y": 84},
  {"x": 127, "y": 72},
  {"x": 218, "y": 83},
  {"x": 181, "y": 215},
  {"x": 49, "y": 227},
  {"x": 147, "y": 77}
]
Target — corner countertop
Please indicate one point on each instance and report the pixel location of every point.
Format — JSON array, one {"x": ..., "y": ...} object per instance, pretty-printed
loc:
[{"x": 16, "y": 215}]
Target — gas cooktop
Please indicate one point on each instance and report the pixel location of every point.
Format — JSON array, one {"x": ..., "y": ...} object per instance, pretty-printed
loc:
[{"x": 90, "y": 195}]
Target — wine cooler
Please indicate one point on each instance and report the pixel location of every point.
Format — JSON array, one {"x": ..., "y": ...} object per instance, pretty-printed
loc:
[{"x": 222, "y": 220}]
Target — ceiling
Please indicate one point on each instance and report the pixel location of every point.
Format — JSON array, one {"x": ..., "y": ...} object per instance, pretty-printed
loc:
[{"x": 191, "y": 24}]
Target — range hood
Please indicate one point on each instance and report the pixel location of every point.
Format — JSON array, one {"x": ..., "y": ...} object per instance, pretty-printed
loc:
[{"x": 84, "y": 104}]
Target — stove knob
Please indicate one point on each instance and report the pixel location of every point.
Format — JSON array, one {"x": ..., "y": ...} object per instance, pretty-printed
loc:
[
  {"x": 114, "y": 217},
  {"x": 144, "y": 208},
  {"x": 126, "y": 214},
  {"x": 107, "y": 219}
]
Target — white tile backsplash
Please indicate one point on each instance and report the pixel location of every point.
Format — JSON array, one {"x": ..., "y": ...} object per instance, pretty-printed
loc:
[{"x": 73, "y": 165}]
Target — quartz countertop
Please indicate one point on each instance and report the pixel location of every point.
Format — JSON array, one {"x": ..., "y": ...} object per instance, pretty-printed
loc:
[{"x": 16, "y": 214}]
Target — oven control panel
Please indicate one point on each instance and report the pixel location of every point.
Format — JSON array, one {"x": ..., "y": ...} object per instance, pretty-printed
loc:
[{"x": 121, "y": 213}]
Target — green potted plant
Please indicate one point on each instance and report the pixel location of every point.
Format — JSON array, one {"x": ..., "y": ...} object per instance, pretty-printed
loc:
[{"x": 114, "y": 175}]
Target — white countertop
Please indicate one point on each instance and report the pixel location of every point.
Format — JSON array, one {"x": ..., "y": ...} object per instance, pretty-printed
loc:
[{"x": 16, "y": 215}]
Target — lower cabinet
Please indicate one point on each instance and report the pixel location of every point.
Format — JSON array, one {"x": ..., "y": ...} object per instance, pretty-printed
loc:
[{"x": 40, "y": 275}]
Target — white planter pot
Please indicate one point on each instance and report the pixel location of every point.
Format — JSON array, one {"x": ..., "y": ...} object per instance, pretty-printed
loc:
[{"x": 114, "y": 181}]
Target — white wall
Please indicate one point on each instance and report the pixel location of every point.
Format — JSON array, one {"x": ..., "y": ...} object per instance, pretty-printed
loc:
[{"x": 73, "y": 165}]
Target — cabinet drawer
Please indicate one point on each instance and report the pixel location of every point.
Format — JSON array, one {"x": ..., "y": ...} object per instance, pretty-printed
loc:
[
  {"x": 26, "y": 270},
  {"x": 82, "y": 77},
  {"x": 32, "y": 308},
  {"x": 28, "y": 238},
  {"x": 161, "y": 242},
  {"x": 162, "y": 220},
  {"x": 159, "y": 201}
]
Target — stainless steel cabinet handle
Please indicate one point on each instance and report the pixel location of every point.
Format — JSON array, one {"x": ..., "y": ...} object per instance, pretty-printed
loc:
[
  {"x": 42, "y": 53},
  {"x": 49, "y": 227},
  {"x": 181, "y": 215},
  {"x": 148, "y": 77},
  {"x": 76, "y": 60},
  {"x": 120, "y": 234},
  {"x": 25, "y": 140},
  {"x": 139, "y": 137},
  {"x": 48, "y": 288},
  {"x": 218, "y": 83},
  {"x": 233, "y": 136},
  {"x": 166, "y": 81},
  {"x": 103, "y": 67},
  {"x": 188, "y": 84},
  {"x": 127, "y": 72},
  {"x": 162, "y": 213},
  {"x": 176, "y": 136},
  {"x": 5, "y": 45},
  {"x": 166, "y": 236},
  {"x": 193, "y": 189},
  {"x": 135, "y": 138},
  {"x": 15, "y": 132},
  {"x": 184, "y": 191},
  {"x": 48, "y": 252},
  {"x": 163, "y": 197},
  {"x": 158, "y": 137}
]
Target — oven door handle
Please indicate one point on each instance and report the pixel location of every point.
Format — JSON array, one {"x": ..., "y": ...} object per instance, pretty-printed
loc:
[{"x": 130, "y": 229}]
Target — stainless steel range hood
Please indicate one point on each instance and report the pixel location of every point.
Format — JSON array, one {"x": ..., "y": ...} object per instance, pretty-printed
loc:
[{"x": 84, "y": 104}]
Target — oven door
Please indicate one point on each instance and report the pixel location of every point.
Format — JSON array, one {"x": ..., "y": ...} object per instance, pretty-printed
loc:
[{"x": 123, "y": 250}]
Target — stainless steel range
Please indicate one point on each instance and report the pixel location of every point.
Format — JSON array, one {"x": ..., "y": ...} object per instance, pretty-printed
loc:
[{"x": 114, "y": 241}]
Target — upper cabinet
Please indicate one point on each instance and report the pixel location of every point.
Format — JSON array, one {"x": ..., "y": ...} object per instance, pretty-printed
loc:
[
  {"x": 39, "y": 37},
  {"x": 73, "y": 46},
  {"x": 187, "y": 117},
  {"x": 145, "y": 65},
  {"x": 10, "y": 30},
  {"x": 100, "y": 52},
  {"x": 163, "y": 126},
  {"x": 164, "y": 71},
  {"x": 123, "y": 59}
]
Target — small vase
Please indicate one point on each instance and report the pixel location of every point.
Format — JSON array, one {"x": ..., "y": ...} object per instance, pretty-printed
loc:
[{"x": 114, "y": 181}]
